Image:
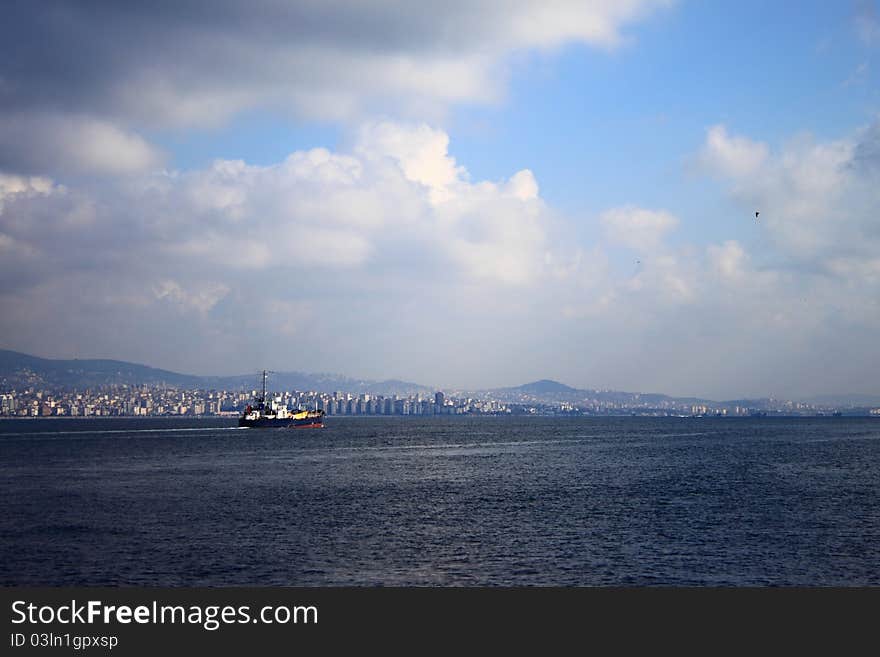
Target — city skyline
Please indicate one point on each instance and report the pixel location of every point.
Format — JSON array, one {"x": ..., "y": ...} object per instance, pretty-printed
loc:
[
  {"x": 20, "y": 372},
  {"x": 657, "y": 195}
]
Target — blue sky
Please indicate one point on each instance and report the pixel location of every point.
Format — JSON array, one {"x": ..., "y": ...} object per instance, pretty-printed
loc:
[
  {"x": 590, "y": 122},
  {"x": 573, "y": 184}
]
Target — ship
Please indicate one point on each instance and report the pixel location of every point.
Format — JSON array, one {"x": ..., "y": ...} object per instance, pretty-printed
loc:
[{"x": 272, "y": 414}]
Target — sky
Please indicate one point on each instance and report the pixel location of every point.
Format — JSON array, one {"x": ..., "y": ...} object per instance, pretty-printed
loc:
[{"x": 465, "y": 196}]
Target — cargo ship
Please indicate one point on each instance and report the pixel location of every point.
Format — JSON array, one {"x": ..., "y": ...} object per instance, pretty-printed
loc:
[{"x": 263, "y": 414}]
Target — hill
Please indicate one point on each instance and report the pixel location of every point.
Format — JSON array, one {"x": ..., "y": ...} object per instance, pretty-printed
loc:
[
  {"x": 548, "y": 391},
  {"x": 543, "y": 387},
  {"x": 18, "y": 370}
]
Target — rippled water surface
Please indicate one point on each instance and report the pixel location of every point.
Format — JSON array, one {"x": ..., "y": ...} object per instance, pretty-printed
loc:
[{"x": 451, "y": 502}]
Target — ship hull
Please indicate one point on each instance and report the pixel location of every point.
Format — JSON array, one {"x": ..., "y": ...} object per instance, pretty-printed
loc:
[
  {"x": 285, "y": 423},
  {"x": 270, "y": 416}
]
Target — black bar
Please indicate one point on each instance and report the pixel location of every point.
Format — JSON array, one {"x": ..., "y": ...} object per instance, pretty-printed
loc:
[{"x": 419, "y": 620}]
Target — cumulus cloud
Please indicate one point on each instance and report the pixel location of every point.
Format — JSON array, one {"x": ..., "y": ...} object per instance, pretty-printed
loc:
[
  {"x": 817, "y": 277},
  {"x": 420, "y": 151},
  {"x": 389, "y": 259},
  {"x": 769, "y": 311},
  {"x": 318, "y": 229},
  {"x": 731, "y": 156},
  {"x": 817, "y": 198}
]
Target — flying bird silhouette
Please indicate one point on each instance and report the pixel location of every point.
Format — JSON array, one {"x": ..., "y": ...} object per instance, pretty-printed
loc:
[{"x": 756, "y": 214}]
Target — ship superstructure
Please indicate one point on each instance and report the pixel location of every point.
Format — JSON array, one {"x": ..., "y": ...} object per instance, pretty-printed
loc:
[{"x": 274, "y": 414}]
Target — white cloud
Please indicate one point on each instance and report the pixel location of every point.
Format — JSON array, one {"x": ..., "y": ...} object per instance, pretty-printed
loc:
[
  {"x": 320, "y": 250},
  {"x": 397, "y": 202},
  {"x": 24, "y": 186},
  {"x": 89, "y": 109},
  {"x": 815, "y": 198},
  {"x": 347, "y": 261},
  {"x": 732, "y": 156},
  {"x": 200, "y": 298},
  {"x": 728, "y": 260},
  {"x": 60, "y": 143},
  {"x": 548, "y": 24},
  {"x": 419, "y": 150},
  {"x": 339, "y": 60},
  {"x": 638, "y": 228},
  {"x": 523, "y": 185}
]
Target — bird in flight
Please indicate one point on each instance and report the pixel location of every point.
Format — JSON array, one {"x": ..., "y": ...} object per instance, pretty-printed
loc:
[{"x": 756, "y": 214}]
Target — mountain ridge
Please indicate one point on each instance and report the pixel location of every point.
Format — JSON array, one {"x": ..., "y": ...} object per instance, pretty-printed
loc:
[{"x": 19, "y": 369}]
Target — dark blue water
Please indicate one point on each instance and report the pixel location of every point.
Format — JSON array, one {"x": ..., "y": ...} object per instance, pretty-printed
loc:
[{"x": 458, "y": 501}]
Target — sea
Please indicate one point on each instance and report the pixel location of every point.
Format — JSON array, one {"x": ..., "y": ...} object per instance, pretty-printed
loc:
[{"x": 442, "y": 502}]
